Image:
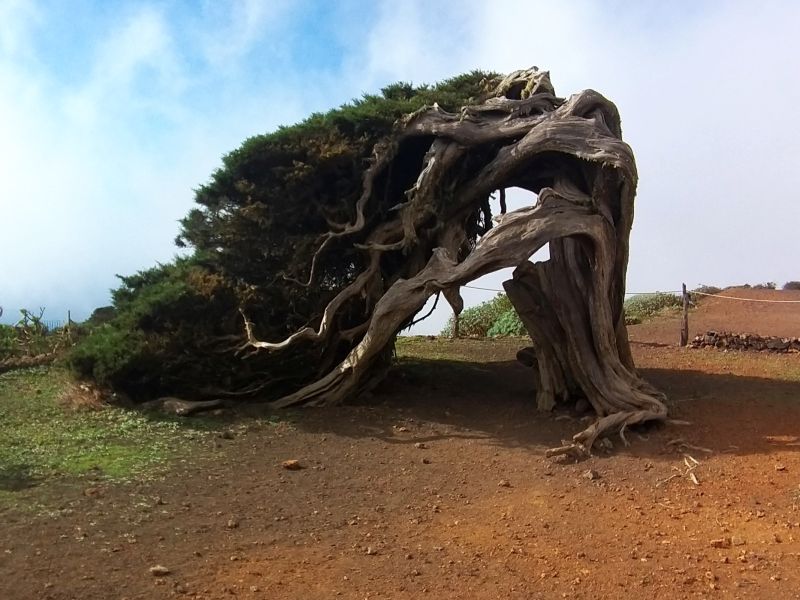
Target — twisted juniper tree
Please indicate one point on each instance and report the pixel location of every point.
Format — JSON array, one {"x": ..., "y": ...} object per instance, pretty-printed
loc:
[{"x": 326, "y": 240}]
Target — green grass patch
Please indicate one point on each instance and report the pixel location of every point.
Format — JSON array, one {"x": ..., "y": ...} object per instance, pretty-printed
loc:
[
  {"x": 41, "y": 439},
  {"x": 476, "y": 321},
  {"x": 476, "y": 350}
]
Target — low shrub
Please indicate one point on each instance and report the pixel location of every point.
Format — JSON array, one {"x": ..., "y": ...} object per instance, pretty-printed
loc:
[
  {"x": 507, "y": 324},
  {"x": 632, "y": 320},
  {"x": 791, "y": 285},
  {"x": 707, "y": 289},
  {"x": 8, "y": 341},
  {"x": 497, "y": 317},
  {"x": 114, "y": 357},
  {"x": 156, "y": 331},
  {"x": 30, "y": 337},
  {"x": 769, "y": 285},
  {"x": 101, "y": 315},
  {"x": 476, "y": 321},
  {"x": 646, "y": 306},
  {"x": 173, "y": 330}
]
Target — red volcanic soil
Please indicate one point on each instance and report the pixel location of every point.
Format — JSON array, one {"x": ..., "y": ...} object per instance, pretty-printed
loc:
[{"x": 437, "y": 487}]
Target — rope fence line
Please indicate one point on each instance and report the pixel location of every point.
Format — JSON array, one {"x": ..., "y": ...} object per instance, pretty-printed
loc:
[
  {"x": 485, "y": 289},
  {"x": 748, "y": 299},
  {"x": 684, "y": 293},
  {"x": 475, "y": 287}
]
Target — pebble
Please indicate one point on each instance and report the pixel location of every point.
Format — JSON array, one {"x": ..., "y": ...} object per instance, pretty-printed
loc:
[{"x": 159, "y": 571}]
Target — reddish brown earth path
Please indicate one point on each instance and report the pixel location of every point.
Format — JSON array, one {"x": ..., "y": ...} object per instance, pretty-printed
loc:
[
  {"x": 775, "y": 317},
  {"x": 439, "y": 489}
]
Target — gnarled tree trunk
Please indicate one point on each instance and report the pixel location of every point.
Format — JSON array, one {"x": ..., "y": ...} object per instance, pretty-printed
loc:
[{"x": 437, "y": 172}]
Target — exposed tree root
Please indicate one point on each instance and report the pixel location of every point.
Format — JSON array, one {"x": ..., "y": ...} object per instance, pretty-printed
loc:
[{"x": 582, "y": 442}]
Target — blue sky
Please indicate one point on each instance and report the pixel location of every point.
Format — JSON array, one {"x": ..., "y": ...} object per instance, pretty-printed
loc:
[{"x": 112, "y": 112}]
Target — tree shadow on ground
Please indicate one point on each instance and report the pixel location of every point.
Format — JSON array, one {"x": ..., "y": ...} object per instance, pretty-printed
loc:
[{"x": 425, "y": 400}]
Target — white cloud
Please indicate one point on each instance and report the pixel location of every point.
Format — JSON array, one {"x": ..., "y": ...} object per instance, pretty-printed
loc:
[
  {"x": 17, "y": 19},
  {"x": 404, "y": 46},
  {"x": 136, "y": 68},
  {"x": 86, "y": 198},
  {"x": 97, "y": 171},
  {"x": 231, "y": 29}
]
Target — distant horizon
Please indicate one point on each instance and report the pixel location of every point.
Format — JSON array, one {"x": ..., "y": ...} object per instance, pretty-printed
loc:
[{"x": 468, "y": 290}]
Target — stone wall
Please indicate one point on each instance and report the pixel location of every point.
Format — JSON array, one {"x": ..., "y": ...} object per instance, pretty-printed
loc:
[{"x": 745, "y": 341}]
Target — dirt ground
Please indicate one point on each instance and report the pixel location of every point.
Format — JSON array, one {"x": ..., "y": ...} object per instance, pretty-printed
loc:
[
  {"x": 775, "y": 317},
  {"x": 437, "y": 487}
]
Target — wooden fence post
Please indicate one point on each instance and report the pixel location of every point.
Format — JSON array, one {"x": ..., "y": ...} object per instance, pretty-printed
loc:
[{"x": 685, "y": 325}]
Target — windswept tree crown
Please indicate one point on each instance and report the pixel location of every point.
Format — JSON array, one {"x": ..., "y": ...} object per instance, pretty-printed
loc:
[{"x": 263, "y": 215}]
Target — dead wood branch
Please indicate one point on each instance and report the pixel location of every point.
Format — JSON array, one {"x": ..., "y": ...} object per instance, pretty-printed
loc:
[{"x": 423, "y": 221}]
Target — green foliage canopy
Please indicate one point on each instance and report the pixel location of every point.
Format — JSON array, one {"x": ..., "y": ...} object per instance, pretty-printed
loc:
[{"x": 252, "y": 237}]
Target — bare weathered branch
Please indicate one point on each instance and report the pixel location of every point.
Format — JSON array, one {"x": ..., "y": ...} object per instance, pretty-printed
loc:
[{"x": 422, "y": 220}]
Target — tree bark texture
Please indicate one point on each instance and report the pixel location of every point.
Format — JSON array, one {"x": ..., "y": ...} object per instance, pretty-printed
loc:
[{"x": 437, "y": 172}]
